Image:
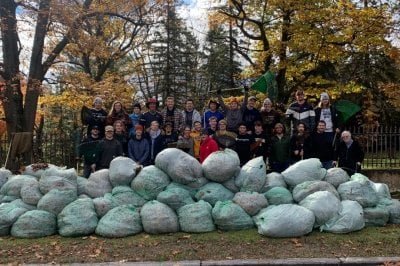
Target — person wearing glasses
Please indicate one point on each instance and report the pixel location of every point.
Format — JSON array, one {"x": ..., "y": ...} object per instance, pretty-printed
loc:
[
  {"x": 349, "y": 154},
  {"x": 110, "y": 149}
]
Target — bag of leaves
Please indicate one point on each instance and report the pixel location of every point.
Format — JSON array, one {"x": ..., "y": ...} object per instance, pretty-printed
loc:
[
  {"x": 323, "y": 204},
  {"x": 180, "y": 166},
  {"x": 123, "y": 195},
  {"x": 150, "y": 182},
  {"x": 81, "y": 184},
  {"x": 175, "y": 198},
  {"x": 37, "y": 169},
  {"x": 221, "y": 166},
  {"x": 336, "y": 176},
  {"x": 213, "y": 192},
  {"x": 394, "y": 212},
  {"x": 9, "y": 213},
  {"x": 49, "y": 182},
  {"x": 103, "y": 205},
  {"x": 272, "y": 180},
  {"x": 158, "y": 218},
  {"x": 78, "y": 218},
  {"x": 192, "y": 191},
  {"x": 34, "y": 224},
  {"x": 70, "y": 174},
  {"x": 285, "y": 220},
  {"x": 14, "y": 184},
  {"x": 302, "y": 190},
  {"x": 120, "y": 222},
  {"x": 30, "y": 192},
  {"x": 122, "y": 170},
  {"x": 251, "y": 202},
  {"x": 229, "y": 216},
  {"x": 350, "y": 219},
  {"x": 4, "y": 176},
  {"x": 376, "y": 216},
  {"x": 98, "y": 184},
  {"x": 360, "y": 191},
  {"x": 278, "y": 195},
  {"x": 196, "y": 217},
  {"x": 55, "y": 200},
  {"x": 252, "y": 176},
  {"x": 304, "y": 170}
]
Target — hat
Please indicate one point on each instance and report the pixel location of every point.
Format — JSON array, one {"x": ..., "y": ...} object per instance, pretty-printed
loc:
[
  {"x": 204, "y": 131},
  {"x": 252, "y": 98},
  {"x": 107, "y": 128},
  {"x": 138, "y": 127},
  {"x": 267, "y": 100},
  {"x": 299, "y": 92},
  {"x": 151, "y": 100},
  {"x": 213, "y": 101},
  {"x": 167, "y": 124},
  {"x": 223, "y": 121},
  {"x": 98, "y": 100},
  {"x": 94, "y": 127},
  {"x": 324, "y": 96},
  {"x": 137, "y": 105}
]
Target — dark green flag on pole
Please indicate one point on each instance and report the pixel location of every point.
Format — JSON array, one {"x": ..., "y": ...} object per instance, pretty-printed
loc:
[
  {"x": 267, "y": 84},
  {"x": 346, "y": 109}
]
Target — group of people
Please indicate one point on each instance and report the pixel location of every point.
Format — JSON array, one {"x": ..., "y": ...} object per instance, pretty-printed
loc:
[{"x": 239, "y": 126}]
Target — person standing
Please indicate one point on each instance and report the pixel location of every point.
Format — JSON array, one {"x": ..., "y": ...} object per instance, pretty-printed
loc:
[
  {"x": 190, "y": 115},
  {"x": 121, "y": 135},
  {"x": 156, "y": 141},
  {"x": 135, "y": 117},
  {"x": 118, "y": 112},
  {"x": 279, "y": 158},
  {"x": 185, "y": 141},
  {"x": 233, "y": 113},
  {"x": 110, "y": 149},
  {"x": 212, "y": 111},
  {"x": 138, "y": 147},
  {"x": 172, "y": 115},
  {"x": 259, "y": 147},
  {"x": 195, "y": 134},
  {"x": 224, "y": 137},
  {"x": 327, "y": 112},
  {"x": 300, "y": 143},
  {"x": 300, "y": 111},
  {"x": 243, "y": 144},
  {"x": 208, "y": 145},
  {"x": 151, "y": 115},
  {"x": 90, "y": 149},
  {"x": 269, "y": 117},
  {"x": 349, "y": 155},
  {"x": 321, "y": 146},
  {"x": 251, "y": 114},
  {"x": 96, "y": 116}
]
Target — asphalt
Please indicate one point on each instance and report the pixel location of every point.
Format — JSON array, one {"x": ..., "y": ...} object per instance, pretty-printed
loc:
[{"x": 349, "y": 261}]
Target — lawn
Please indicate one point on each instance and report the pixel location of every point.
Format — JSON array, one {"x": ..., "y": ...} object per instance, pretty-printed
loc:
[{"x": 246, "y": 244}]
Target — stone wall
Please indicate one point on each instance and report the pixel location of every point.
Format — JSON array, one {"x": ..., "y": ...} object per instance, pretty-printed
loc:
[{"x": 389, "y": 177}]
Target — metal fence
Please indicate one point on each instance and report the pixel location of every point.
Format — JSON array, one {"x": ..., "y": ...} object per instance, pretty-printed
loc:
[{"x": 381, "y": 145}]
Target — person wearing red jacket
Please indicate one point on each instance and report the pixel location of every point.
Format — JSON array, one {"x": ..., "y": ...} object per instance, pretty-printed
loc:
[{"x": 207, "y": 146}]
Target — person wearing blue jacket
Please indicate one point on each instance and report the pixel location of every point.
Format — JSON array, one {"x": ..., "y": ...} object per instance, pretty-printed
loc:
[{"x": 138, "y": 147}]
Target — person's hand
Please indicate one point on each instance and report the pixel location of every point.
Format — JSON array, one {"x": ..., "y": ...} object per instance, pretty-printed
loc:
[
  {"x": 358, "y": 163},
  {"x": 246, "y": 88},
  {"x": 296, "y": 152},
  {"x": 302, "y": 153},
  {"x": 93, "y": 167},
  {"x": 334, "y": 163}
]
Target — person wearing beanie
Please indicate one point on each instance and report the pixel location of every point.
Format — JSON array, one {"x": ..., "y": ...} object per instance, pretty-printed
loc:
[
  {"x": 135, "y": 117},
  {"x": 95, "y": 116},
  {"x": 211, "y": 112},
  {"x": 269, "y": 117},
  {"x": 327, "y": 112},
  {"x": 138, "y": 147}
]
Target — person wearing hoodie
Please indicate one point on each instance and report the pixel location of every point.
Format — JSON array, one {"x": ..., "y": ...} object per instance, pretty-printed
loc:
[
  {"x": 138, "y": 147},
  {"x": 156, "y": 141},
  {"x": 233, "y": 112}
]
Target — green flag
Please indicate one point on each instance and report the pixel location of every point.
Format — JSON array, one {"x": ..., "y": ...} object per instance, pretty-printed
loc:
[
  {"x": 346, "y": 109},
  {"x": 267, "y": 84}
]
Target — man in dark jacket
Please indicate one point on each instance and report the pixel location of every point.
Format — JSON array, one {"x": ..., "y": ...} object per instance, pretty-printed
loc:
[
  {"x": 95, "y": 116},
  {"x": 349, "y": 155},
  {"x": 321, "y": 145},
  {"x": 90, "y": 149},
  {"x": 138, "y": 147},
  {"x": 110, "y": 148}
]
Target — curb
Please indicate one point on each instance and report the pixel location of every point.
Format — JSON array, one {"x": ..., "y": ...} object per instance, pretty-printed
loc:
[{"x": 350, "y": 261}]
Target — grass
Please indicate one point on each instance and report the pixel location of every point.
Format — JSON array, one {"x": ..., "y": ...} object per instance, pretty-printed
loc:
[{"x": 246, "y": 244}]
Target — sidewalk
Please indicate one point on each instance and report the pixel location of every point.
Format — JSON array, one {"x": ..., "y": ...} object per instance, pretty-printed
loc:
[{"x": 390, "y": 261}]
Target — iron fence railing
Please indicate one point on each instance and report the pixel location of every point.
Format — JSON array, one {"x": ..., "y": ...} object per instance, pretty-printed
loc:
[{"x": 381, "y": 145}]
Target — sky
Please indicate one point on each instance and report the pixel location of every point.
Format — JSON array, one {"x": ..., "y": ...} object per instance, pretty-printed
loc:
[{"x": 195, "y": 14}]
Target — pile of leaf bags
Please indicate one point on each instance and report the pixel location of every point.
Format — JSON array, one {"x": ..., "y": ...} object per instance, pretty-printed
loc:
[{"x": 180, "y": 194}]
